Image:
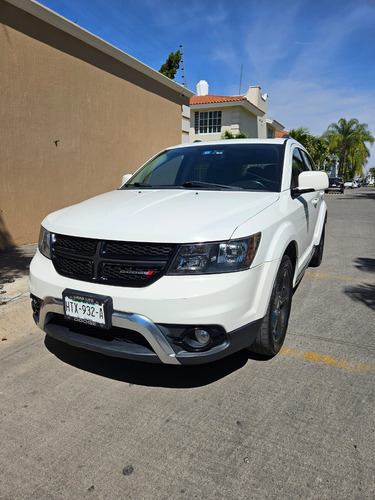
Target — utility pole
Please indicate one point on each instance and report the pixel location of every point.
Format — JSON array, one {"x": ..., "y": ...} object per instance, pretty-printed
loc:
[{"x": 183, "y": 66}]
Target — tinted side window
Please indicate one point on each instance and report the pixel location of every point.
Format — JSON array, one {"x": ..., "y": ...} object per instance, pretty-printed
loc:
[
  {"x": 298, "y": 166},
  {"x": 310, "y": 164}
]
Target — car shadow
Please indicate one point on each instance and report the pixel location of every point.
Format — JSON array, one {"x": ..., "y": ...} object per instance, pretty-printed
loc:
[{"x": 148, "y": 374}]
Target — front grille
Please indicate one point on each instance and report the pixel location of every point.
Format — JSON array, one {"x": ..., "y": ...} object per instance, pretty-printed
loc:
[
  {"x": 112, "y": 271},
  {"x": 117, "y": 248},
  {"x": 81, "y": 269},
  {"x": 85, "y": 246},
  {"x": 111, "y": 262}
]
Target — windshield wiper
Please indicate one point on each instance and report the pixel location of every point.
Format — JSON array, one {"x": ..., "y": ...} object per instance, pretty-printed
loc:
[
  {"x": 195, "y": 184},
  {"x": 137, "y": 185}
]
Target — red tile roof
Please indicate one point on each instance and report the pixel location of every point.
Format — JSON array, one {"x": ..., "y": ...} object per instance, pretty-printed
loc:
[
  {"x": 281, "y": 133},
  {"x": 208, "y": 99}
]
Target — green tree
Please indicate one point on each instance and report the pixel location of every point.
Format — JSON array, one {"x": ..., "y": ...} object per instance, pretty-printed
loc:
[
  {"x": 316, "y": 146},
  {"x": 171, "y": 65},
  {"x": 229, "y": 135},
  {"x": 300, "y": 134},
  {"x": 347, "y": 139}
]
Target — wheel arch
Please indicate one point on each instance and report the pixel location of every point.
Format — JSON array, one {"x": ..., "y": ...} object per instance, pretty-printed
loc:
[
  {"x": 292, "y": 252},
  {"x": 283, "y": 241}
]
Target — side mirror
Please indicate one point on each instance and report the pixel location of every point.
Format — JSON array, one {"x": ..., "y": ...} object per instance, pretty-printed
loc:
[
  {"x": 309, "y": 182},
  {"x": 317, "y": 181},
  {"x": 125, "y": 178}
]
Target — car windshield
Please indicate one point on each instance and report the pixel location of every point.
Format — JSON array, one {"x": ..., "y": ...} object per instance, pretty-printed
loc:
[{"x": 219, "y": 166}]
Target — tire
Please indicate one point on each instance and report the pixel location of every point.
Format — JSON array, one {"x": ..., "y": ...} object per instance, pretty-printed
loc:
[
  {"x": 317, "y": 257},
  {"x": 274, "y": 325}
]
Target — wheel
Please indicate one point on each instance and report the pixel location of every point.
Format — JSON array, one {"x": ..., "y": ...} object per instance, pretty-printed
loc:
[
  {"x": 317, "y": 257},
  {"x": 274, "y": 325}
]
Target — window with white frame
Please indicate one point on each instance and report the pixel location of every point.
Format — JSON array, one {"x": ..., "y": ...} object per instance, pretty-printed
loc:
[
  {"x": 270, "y": 133},
  {"x": 207, "y": 122}
]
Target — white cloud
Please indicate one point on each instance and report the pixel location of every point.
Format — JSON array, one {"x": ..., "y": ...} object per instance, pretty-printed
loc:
[
  {"x": 316, "y": 106},
  {"x": 300, "y": 103}
]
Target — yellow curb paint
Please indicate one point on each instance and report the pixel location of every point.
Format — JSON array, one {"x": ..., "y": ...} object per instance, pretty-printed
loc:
[
  {"x": 326, "y": 360},
  {"x": 343, "y": 278}
]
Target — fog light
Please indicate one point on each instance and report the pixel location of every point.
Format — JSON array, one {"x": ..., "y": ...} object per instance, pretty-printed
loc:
[{"x": 202, "y": 336}]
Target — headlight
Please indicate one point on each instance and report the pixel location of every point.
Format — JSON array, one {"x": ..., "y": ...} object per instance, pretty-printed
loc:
[
  {"x": 217, "y": 257},
  {"x": 44, "y": 244}
]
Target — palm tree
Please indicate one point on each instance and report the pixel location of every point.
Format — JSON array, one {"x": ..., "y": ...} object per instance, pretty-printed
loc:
[
  {"x": 316, "y": 146},
  {"x": 347, "y": 139},
  {"x": 300, "y": 134}
]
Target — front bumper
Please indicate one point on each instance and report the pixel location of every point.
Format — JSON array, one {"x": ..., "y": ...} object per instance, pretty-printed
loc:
[
  {"x": 161, "y": 342},
  {"x": 230, "y": 305}
]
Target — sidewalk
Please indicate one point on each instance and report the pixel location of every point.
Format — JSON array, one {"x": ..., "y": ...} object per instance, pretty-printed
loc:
[
  {"x": 16, "y": 323},
  {"x": 14, "y": 272}
]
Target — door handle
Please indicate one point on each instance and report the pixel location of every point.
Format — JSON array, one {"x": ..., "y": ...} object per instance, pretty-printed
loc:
[{"x": 315, "y": 201}]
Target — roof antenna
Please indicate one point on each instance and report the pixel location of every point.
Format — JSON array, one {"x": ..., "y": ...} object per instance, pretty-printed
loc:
[{"x": 239, "y": 90}]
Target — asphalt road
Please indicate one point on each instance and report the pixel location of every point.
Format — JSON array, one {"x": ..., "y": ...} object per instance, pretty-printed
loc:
[{"x": 77, "y": 425}]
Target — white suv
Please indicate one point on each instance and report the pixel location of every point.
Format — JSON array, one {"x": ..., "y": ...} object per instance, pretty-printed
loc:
[{"x": 194, "y": 257}]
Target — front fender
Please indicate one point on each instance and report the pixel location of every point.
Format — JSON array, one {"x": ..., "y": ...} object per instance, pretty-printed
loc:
[{"x": 280, "y": 240}]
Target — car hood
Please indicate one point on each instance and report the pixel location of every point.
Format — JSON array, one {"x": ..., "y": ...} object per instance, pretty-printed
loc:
[{"x": 160, "y": 215}]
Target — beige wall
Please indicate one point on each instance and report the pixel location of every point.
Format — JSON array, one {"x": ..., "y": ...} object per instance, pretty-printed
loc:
[
  {"x": 243, "y": 122},
  {"x": 73, "y": 121}
]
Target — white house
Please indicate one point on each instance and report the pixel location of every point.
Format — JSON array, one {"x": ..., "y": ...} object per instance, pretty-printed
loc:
[{"x": 212, "y": 115}]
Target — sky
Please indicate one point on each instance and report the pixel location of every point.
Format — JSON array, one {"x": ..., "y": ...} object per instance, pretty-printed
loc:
[{"x": 314, "y": 58}]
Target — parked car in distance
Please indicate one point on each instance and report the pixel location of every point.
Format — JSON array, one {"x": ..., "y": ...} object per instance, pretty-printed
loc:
[
  {"x": 335, "y": 184},
  {"x": 193, "y": 258},
  {"x": 351, "y": 184}
]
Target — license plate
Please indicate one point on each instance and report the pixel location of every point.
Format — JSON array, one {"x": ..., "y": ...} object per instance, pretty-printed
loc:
[{"x": 87, "y": 308}]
